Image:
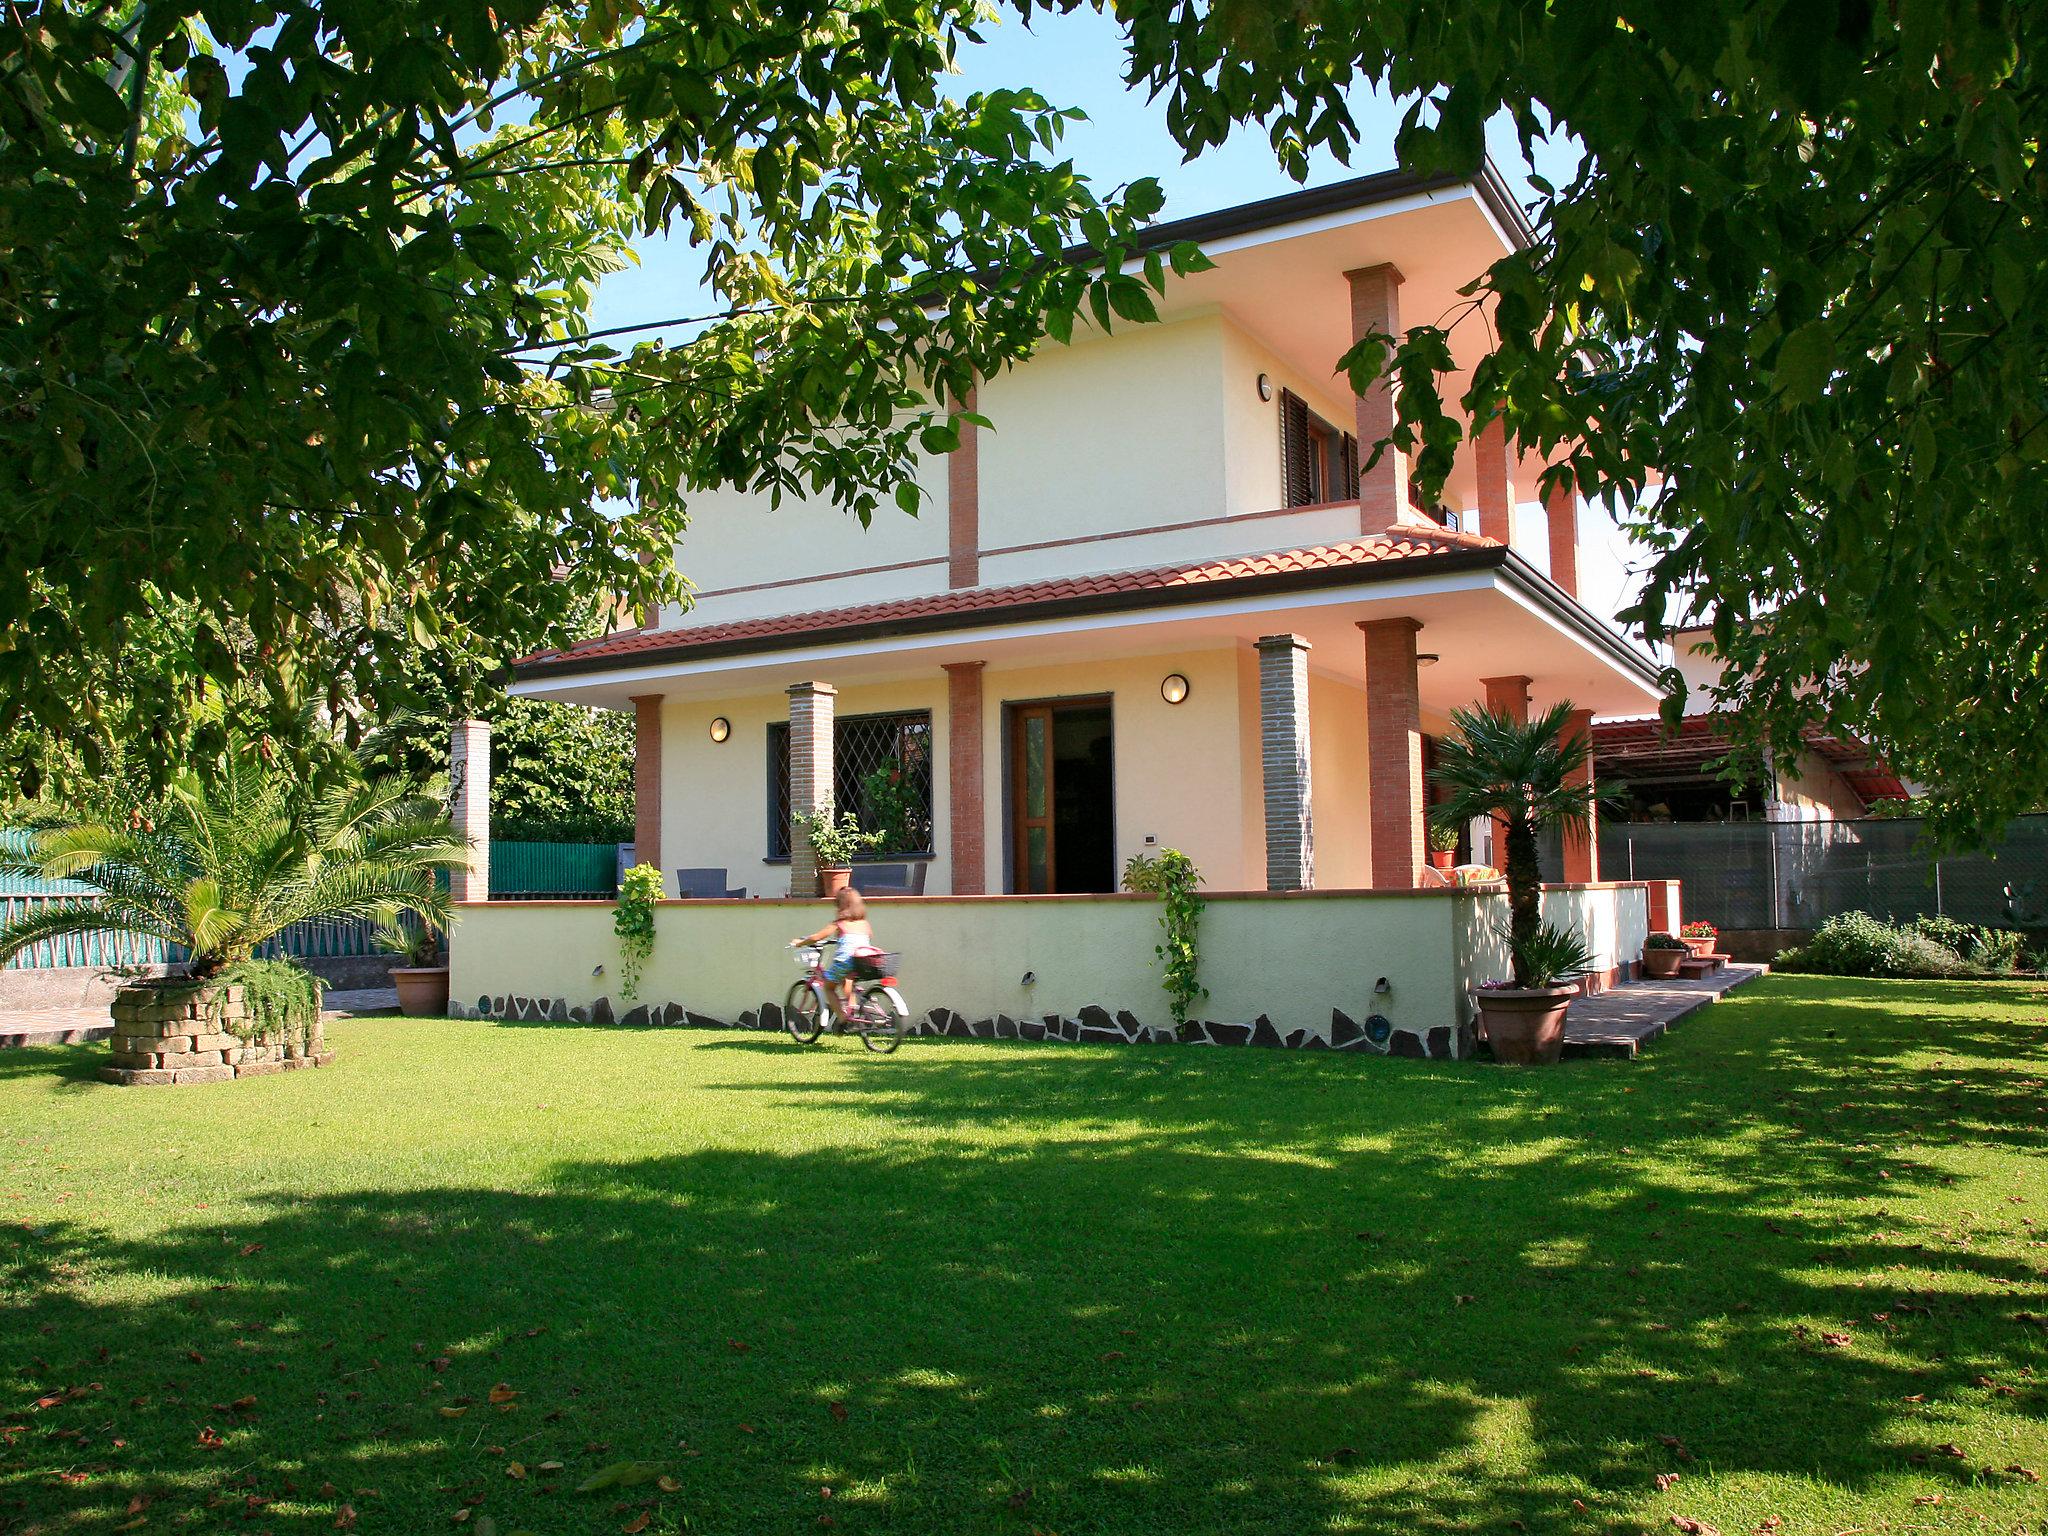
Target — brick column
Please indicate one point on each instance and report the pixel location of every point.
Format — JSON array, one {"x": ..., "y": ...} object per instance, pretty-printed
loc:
[
  {"x": 964, "y": 783},
  {"x": 469, "y": 772},
  {"x": 1393, "y": 743},
  {"x": 1496, "y": 489},
  {"x": 963, "y": 504},
  {"x": 1382, "y": 489},
  {"x": 1284, "y": 753},
  {"x": 1582, "y": 853},
  {"x": 1562, "y": 508},
  {"x": 810, "y": 774},
  {"x": 1507, "y": 696},
  {"x": 647, "y": 781}
]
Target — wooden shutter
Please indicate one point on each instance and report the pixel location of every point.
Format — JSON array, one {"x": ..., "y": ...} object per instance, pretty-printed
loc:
[
  {"x": 1297, "y": 478},
  {"x": 1347, "y": 475}
]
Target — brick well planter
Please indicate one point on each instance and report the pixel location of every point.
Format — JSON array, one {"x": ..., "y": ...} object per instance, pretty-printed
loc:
[{"x": 192, "y": 1032}]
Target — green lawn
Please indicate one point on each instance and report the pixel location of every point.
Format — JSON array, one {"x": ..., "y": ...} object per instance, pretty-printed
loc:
[{"x": 1794, "y": 1257}]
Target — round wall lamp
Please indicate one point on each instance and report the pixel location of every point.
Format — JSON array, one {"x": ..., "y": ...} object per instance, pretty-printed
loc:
[
  {"x": 1427, "y": 658},
  {"x": 720, "y": 728},
  {"x": 1173, "y": 688},
  {"x": 1265, "y": 387}
]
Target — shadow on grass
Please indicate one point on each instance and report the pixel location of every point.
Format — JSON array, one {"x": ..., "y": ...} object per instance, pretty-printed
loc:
[{"x": 1208, "y": 1291}]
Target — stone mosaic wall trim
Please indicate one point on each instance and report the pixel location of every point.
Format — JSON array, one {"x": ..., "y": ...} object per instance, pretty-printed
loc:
[{"x": 1090, "y": 1026}]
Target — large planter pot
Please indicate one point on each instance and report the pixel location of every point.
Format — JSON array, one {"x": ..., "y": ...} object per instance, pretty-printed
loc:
[
  {"x": 422, "y": 990},
  {"x": 1443, "y": 859},
  {"x": 833, "y": 879},
  {"x": 1701, "y": 947},
  {"x": 1662, "y": 963},
  {"x": 1525, "y": 1027}
]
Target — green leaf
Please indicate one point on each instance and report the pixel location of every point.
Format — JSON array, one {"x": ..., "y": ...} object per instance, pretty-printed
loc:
[{"x": 1806, "y": 358}]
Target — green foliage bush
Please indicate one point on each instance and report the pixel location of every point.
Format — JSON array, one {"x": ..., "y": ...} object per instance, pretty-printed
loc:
[
  {"x": 633, "y": 922},
  {"x": 1172, "y": 876},
  {"x": 1857, "y": 944},
  {"x": 1990, "y": 949}
]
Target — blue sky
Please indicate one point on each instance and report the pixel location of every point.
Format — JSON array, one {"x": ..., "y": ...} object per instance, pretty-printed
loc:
[{"x": 1077, "y": 61}]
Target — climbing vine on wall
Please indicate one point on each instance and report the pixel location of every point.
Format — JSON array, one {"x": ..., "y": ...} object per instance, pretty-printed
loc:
[
  {"x": 1173, "y": 877},
  {"x": 633, "y": 922}
]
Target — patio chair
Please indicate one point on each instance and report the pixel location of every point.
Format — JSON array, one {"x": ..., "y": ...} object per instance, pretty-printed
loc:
[
  {"x": 891, "y": 879},
  {"x": 705, "y": 884}
]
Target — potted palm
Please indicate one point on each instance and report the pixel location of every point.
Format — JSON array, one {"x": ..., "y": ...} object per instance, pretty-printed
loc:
[
  {"x": 1528, "y": 775},
  {"x": 421, "y": 975},
  {"x": 220, "y": 869},
  {"x": 835, "y": 837},
  {"x": 1661, "y": 955}
]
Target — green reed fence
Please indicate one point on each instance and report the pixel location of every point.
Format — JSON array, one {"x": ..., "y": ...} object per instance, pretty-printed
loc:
[{"x": 555, "y": 871}]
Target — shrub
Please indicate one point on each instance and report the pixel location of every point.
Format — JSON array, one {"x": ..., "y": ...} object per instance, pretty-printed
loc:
[
  {"x": 1857, "y": 944},
  {"x": 1664, "y": 941},
  {"x": 1990, "y": 949}
]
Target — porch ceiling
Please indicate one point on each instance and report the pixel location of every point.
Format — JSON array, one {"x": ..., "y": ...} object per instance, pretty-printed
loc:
[{"x": 1490, "y": 621}]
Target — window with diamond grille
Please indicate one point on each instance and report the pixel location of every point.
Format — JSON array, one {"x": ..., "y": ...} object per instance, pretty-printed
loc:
[{"x": 881, "y": 771}]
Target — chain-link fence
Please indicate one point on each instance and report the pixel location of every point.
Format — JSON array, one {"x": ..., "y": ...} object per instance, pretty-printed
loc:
[{"x": 1798, "y": 874}]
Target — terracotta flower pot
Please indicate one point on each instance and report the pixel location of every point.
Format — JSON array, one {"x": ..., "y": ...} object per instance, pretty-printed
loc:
[
  {"x": 1442, "y": 858},
  {"x": 1662, "y": 963},
  {"x": 1701, "y": 947},
  {"x": 833, "y": 880},
  {"x": 1525, "y": 1027},
  {"x": 422, "y": 990}
]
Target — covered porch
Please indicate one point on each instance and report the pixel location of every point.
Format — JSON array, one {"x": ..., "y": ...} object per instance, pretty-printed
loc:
[{"x": 1271, "y": 715}]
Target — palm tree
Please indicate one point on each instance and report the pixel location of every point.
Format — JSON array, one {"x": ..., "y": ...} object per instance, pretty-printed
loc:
[
  {"x": 231, "y": 861},
  {"x": 1528, "y": 774}
]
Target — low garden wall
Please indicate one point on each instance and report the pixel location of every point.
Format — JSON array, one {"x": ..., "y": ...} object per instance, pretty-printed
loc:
[
  {"x": 1302, "y": 969},
  {"x": 1612, "y": 916}
]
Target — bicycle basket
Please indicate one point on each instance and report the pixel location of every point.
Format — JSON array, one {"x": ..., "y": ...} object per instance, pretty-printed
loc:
[{"x": 875, "y": 964}]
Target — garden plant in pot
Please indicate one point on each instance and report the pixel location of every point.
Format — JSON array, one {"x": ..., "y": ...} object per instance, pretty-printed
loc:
[
  {"x": 1661, "y": 954},
  {"x": 1443, "y": 846},
  {"x": 1701, "y": 937},
  {"x": 1529, "y": 775},
  {"x": 835, "y": 838},
  {"x": 421, "y": 975}
]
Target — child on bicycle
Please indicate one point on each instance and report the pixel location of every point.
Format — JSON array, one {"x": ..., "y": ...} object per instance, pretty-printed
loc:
[{"x": 850, "y": 932}]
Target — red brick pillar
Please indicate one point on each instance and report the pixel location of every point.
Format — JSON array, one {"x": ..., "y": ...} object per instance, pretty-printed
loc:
[
  {"x": 1284, "y": 757},
  {"x": 963, "y": 504},
  {"x": 1496, "y": 490},
  {"x": 1505, "y": 696},
  {"x": 647, "y": 781},
  {"x": 469, "y": 761},
  {"x": 810, "y": 775},
  {"x": 1382, "y": 489},
  {"x": 1562, "y": 508},
  {"x": 1582, "y": 845},
  {"x": 1393, "y": 743},
  {"x": 964, "y": 783}
]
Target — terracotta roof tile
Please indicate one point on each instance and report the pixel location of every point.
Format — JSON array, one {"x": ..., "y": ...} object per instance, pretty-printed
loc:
[{"x": 1376, "y": 550}]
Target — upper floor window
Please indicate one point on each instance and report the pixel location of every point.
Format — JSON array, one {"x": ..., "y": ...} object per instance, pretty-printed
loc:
[
  {"x": 881, "y": 771},
  {"x": 1318, "y": 463}
]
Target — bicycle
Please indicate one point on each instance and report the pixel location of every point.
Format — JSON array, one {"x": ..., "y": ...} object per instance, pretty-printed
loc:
[{"x": 878, "y": 1014}]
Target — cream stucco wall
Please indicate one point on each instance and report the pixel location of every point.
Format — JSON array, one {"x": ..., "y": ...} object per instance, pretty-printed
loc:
[
  {"x": 1614, "y": 919},
  {"x": 1338, "y": 766},
  {"x": 1123, "y": 431},
  {"x": 1251, "y": 426},
  {"x": 1293, "y": 959},
  {"x": 1179, "y": 768},
  {"x": 737, "y": 539},
  {"x": 1817, "y": 793},
  {"x": 714, "y": 795}
]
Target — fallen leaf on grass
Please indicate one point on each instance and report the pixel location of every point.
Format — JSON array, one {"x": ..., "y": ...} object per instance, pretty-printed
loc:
[
  {"x": 1694, "y": 1527},
  {"x": 209, "y": 1439},
  {"x": 345, "y": 1517},
  {"x": 549, "y": 1467},
  {"x": 1836, "y": 1340},
  {"x": 2028, "y": 1473},
  {"x": 668, "y": 1484},
  {"x": 1665, "y": 1480},
  {"x": 502, "y": 1393},
  {"x": 453, "y": 1413},
  {"x": 1948, "y": 1448},
  {"x": 838, "y": 1411},
  {"x": 516, "y": 1471},
  {"x": 250, "y": 1249},
  {"x": 638, "y": 1523},
  {"x": 1927, "y": 1498}
]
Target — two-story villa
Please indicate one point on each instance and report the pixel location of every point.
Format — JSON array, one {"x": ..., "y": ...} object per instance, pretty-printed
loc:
[{"x": 1158, "y": 604}]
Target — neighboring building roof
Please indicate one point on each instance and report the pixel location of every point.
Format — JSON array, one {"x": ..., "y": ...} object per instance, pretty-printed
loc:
[
  {"x": 1646, "y": 742},
  {"x": 1371, "y": 558}
]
